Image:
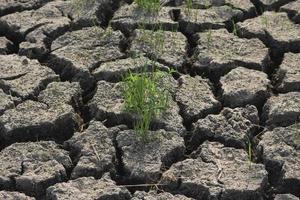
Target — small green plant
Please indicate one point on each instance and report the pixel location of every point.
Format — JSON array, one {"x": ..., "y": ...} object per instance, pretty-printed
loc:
[
  {"x": 250, "y": 151},
  {"x": 152, "y": 6},
  {"x": 154, "y": 39},
  {"x": 146, "y": 98},
  {"x": 295, "y": 129},
  {"x": 108, "y": 32},
  {"x": 265, "y": 20},
  {"x": 189, "y": 4},
  {"x": 209, "y": 38},
  {"x": 208, "y": 3},
  {"x": 235, "y": 28},
  {"x": 286, "y": 25},
  {"x": 190, "y": 10},
  {"x": 80, "y": 5}
]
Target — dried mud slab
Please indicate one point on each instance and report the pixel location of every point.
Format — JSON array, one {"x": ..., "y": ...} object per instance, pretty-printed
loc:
[
  {"x": 143, "y": 162},
  {"x": 152, "y": 195},
  {"x": 6, "y": 46},
  {"x": 218, "y": 52},
  {"x": 75, "y": 53},
  {"x": 33, "y": 120},
  {"x": 171, "y": 120},
  {"x": 115, "y": 71},
  {"x": 197, "y": 20},
  {"x": 195, "y": 106},
  {"x": 274, "y": 29},
  {"x": 88, "y": 188},
  {"x": 93, "y": 150},
  {"x": 22, "y": 77},
  {"x": 289, "y": 73},
  {"x": 130, "y": 17},
  {"x": 282, "y": 110},
  {"x": 206, "y": 177},
  {"x": 33, "y": 166},
  {"x": 232, "y": 127},
  {"x": 62, "y": 93},
  {"x": 246, "y": 6},
  {"x": 285, "y": 197},
  {"x": 243, "y": 5},
  {"x": 108, "y": 105},
  {"x": 7, "y": 195},
  {"x": 6, "y": 102},
  {"x": 167, "y": 47},
  {"x": 88, "y": 13},
  {"x": 10, "y": 6},
  {"x": 39, "y": 27},
  {"x": 36, "y": 27},
  {"x": 293, "y": 10},
  {"x": 242, "y": 86},
  {"x": 281, "y": 155},
  {"x": 271, "y": 4}
]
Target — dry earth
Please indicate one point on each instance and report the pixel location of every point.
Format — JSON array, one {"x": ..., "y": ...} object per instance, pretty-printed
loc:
[{"x": 231, "y": 132}]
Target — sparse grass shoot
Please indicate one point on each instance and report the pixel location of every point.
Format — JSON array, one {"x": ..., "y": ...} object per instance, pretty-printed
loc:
[
  {"x": 152, "y": 6},
  {"x": 208, "y": 3},
  {"x": 209, "y": 38},
  {"x": 154, "y": 39},
  {"x": 295, "y": 128},
  {"x": 146, "y": 98},
  {"x": 234, "y": 28},
  {"x": 80, "y": 5},
  {"x": 264, "y": 20},
  {"x": 189, "y": 4},
  {"x": 250, "y": 152}
]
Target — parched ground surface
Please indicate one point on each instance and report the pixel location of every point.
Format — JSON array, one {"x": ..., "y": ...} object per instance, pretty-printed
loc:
[{"x": 232, "y": 127}]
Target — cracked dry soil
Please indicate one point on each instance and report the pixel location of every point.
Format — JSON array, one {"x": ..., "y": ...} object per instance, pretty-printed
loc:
[{"x": 231, "y": 132}]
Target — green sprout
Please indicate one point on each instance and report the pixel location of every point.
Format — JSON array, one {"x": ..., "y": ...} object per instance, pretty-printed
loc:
[
  {"x": 207, "y": 3},
  {"x": 235, "y": 28},
  {"x": 295, "y": 128},
  {"x": 146, "y": 98},
  {"x": 209, "y": 38},
  {"x": 80, "y": 5},
  {"x": 152, "y": 6},
  {"x": 154, "y": 39},
  {"x": 265, "y": 20},
  {"x": 189, "y": 5},
  {"x": 250, "y": 152}
]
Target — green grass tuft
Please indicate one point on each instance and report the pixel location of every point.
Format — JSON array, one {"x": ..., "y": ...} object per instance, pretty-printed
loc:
[
  {"x": 209, "y": 38},
  {"x": 146, "y": 98},
  {"x": 80, "y": 5},
  {"x": 234, "y": 28},
  {"x": 154, "y": 39},
  {"x": 295, "y": 128},
  {"x": 189, "y": 4},
  {"x": 152, "y": 6}
]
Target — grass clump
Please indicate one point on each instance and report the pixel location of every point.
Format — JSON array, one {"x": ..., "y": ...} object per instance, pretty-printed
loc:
[
  {"x": 189, "y": 5},
  {"x": 234, "y": 28},
  {"x": 265, "y": 20},
  {"x": 154, "y": 39},
  {"x": 209, "y": 38},
  {"x": 80, "y": 5},
  {"x": 295, "y": 128},
  {"x": 145, "y": 98},
  {"x": 152, "y": 6}
]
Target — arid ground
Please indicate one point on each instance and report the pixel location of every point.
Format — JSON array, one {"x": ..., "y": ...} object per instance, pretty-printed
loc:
[{"x": 232, "y": 127}]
